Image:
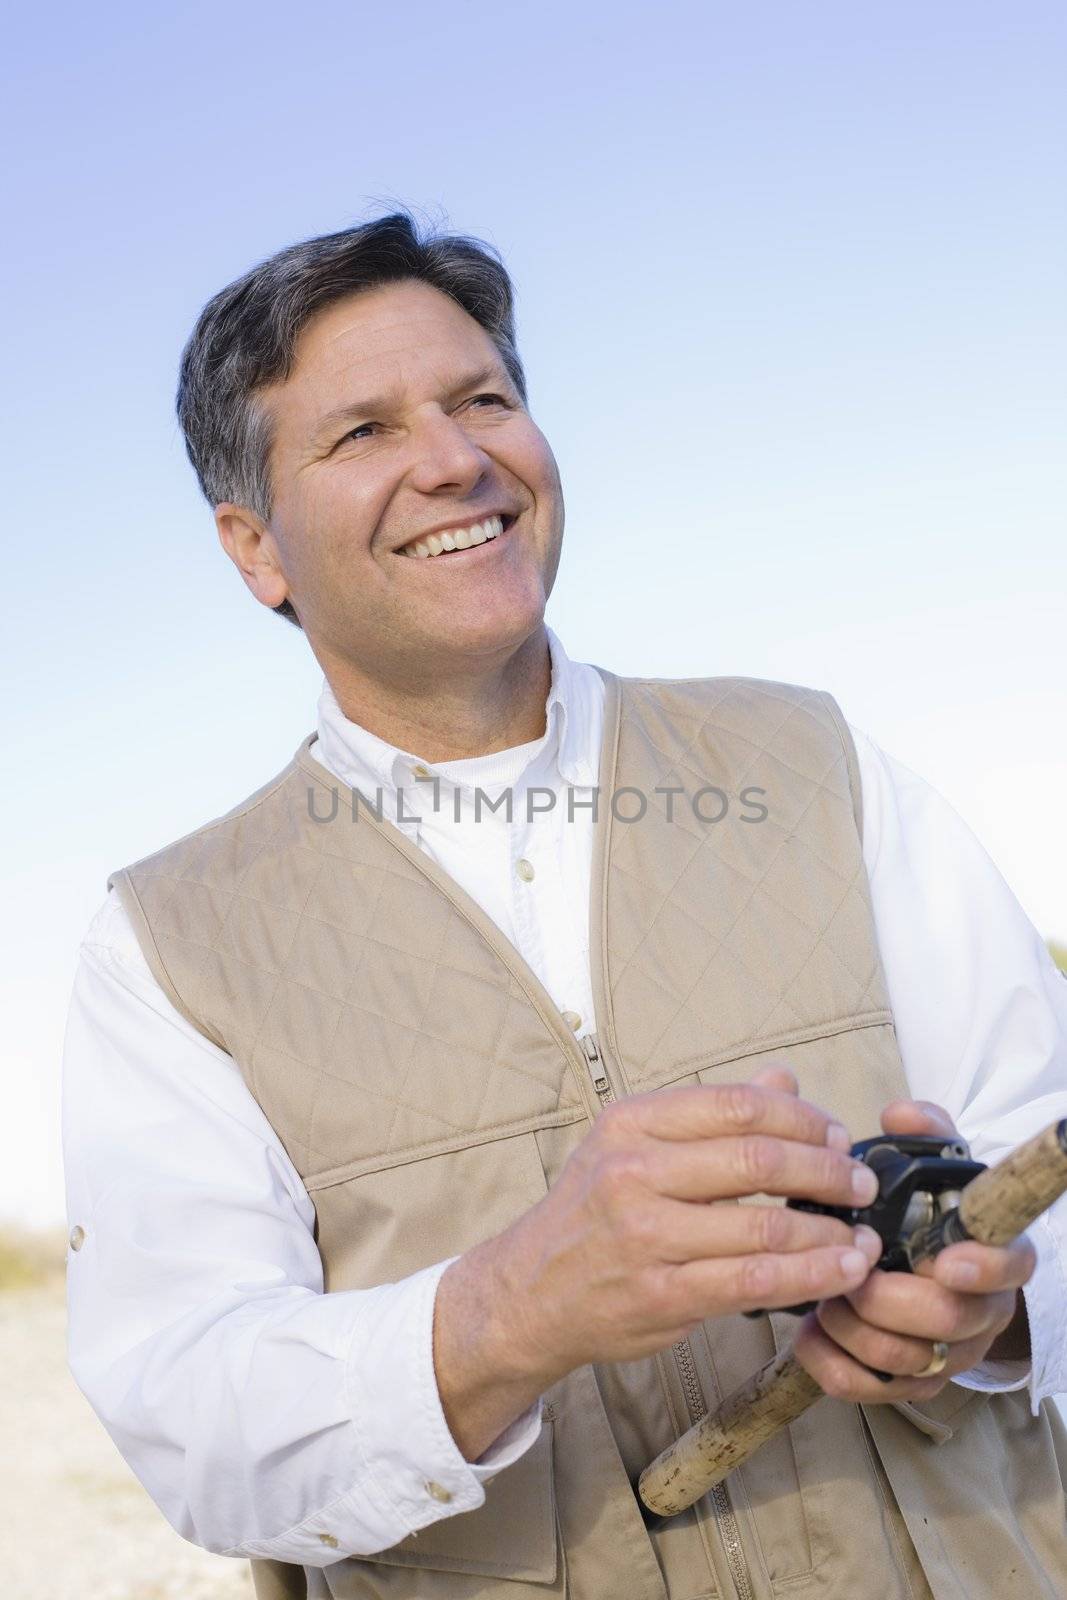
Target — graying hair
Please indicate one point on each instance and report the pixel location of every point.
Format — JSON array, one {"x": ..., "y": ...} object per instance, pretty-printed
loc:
[{"x": 246, "y": 335}]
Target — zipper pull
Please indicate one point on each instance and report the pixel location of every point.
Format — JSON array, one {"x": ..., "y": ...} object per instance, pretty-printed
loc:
[{"x": 595, "y": 1063}]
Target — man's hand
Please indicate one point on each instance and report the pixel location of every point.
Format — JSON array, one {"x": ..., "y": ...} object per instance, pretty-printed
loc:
[
  {"x": 641, "y": 1239},
  {"x": 969, "y": 1297}
]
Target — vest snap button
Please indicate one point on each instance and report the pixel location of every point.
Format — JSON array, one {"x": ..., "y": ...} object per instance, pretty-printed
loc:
[
  {"x": 77, "y": 1238},
  {"x": 524, "y": 869},
  {"x": 437, "y": 1491}
]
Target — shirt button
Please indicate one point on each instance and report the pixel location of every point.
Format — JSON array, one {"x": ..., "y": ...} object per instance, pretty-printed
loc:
[
  {"x": 524, "y": 869},
  {"x": 420, "y": 771},
  {"x": 573, "y": 1020},
  {"x": 437, "y": 1491},
  {"x": 328, "y": 1538},
  {"x": 77, "y": 1238}
]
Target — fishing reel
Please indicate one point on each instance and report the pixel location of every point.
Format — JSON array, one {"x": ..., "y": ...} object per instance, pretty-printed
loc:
[{"x": 920, "y": 1179}]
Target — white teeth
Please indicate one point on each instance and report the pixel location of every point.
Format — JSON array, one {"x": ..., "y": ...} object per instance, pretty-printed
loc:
[{"x": 436, "y": 544}]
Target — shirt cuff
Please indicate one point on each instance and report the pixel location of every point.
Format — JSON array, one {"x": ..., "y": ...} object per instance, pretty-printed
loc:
[
  {"x": 409, "y": 1472},
  {"x": 995, "y": 1377},
  {"x": 413, "y": 1473},
  {"x": 414, "y": 1466},
  {"x": 512, "y": 1443}
]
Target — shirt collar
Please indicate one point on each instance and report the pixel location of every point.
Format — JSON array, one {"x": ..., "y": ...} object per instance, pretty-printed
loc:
[
  {"x": 577, "y": 761},
  {"x": 368, "y": 763}
]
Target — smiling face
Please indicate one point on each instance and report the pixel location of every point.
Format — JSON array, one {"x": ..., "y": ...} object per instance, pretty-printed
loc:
[{"x": 398, "y": 429}]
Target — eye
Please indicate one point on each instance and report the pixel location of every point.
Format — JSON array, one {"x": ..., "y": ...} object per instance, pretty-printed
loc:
[
  {"x": 361, "y": 432},
  {"x": 487, "y": 399}
]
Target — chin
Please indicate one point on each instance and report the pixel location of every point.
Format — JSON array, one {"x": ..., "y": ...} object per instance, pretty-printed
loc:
[{"x": 504, "y": 630}]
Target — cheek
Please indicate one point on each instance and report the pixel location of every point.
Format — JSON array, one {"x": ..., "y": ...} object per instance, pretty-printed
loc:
[
  {"x": 335, "y": 519},
  {"x": 533, "y": 462}
]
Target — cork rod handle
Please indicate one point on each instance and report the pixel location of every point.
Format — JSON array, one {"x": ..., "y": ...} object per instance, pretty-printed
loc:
[
  {"x": 1001, "y": 1202},
  {"x": 994, "y": 1209},
  {"x": 771, "y": 1399}
]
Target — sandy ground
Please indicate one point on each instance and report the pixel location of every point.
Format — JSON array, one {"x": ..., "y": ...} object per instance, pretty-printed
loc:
[{"x": 76, "y": 1523}]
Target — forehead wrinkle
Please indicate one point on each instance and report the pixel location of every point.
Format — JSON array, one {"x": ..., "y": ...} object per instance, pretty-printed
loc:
[
  {"x": 406, "y": 335},
  {"x": 384, "y": 324}
]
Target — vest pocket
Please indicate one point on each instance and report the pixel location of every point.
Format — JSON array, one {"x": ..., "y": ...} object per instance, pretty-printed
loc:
[
  {"x": 513, "y": 1535},
  {"x": 383, "y": 1225}
]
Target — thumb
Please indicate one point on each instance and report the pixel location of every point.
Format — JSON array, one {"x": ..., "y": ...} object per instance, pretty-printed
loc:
[{"x": 917, "y": 1116}]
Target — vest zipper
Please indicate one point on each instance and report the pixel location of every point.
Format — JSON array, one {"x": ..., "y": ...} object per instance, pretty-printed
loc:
[
  {"x": 720, "y": 1498},
  {"x": 683, "y": 1355},
  {"x": 594, "y": 1062}
]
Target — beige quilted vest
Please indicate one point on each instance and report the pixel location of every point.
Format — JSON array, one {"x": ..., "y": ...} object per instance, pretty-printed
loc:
[{"x": 428, "y": 1091}]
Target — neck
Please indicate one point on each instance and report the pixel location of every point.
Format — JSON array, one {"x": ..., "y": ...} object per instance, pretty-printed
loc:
[{"x": 479, "y": 709}]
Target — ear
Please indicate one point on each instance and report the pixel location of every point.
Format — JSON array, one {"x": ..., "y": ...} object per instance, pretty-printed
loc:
[{"x": 250, "y": 545}]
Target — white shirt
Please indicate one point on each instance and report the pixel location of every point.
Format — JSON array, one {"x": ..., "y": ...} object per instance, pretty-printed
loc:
[{"x": 269, "y": 1419}]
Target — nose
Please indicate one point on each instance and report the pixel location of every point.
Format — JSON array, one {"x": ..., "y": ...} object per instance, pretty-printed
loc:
[{"x": 444, "y": 457}]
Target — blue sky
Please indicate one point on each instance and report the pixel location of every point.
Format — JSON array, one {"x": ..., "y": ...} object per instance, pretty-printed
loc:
[{"x": 790, "y": 291}]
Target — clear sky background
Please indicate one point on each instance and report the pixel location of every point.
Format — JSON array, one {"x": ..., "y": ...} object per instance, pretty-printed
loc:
[{"x": 791, "y": 299}]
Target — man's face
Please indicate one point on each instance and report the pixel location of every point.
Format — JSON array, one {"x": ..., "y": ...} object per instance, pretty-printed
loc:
[{"x": 399, "y": 422}]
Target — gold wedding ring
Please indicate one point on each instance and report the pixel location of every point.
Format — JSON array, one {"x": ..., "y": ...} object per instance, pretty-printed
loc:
[{"x": 937, "y": 1360}]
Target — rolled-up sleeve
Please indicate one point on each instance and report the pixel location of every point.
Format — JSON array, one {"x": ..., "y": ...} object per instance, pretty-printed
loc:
[{"x": 264, "y": 1416}]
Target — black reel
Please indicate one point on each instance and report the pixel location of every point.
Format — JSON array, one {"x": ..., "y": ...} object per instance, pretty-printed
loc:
[{"x": 919, "y": 1181}]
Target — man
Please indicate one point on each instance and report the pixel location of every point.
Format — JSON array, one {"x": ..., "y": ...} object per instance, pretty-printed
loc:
[{"x": 484, "y": 1014}]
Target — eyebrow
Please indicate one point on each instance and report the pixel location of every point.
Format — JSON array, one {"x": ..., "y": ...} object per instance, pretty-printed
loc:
[{"x": 384, "y": 403}]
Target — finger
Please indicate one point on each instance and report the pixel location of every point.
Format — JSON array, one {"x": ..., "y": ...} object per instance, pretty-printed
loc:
[
  {"x": 727, "y": 1168},
  {"x": 765, "y": 1281},
  {"x": 682, "y": 1231},
  {"x": 872, "y": 1347},
  {"x": 841, "y": 1375},
  {"x": 900, "y": 1303},
  {"x": 917, "y": 1116},
  {"x": 709, "y": 1111},
  {"x": 777, "y": 1077},
  {"x": 984, "y": 1268}
]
